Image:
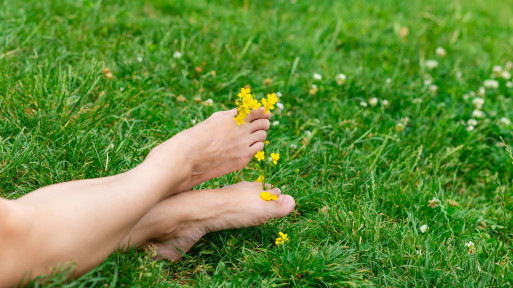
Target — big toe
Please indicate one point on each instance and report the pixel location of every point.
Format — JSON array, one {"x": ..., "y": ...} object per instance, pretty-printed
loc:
[
  {"x": 282, "y": 207},
  {"x": 258, "y": 114}
]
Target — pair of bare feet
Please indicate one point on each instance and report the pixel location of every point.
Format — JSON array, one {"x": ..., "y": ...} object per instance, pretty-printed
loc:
[{"x": 214, "y": 148}]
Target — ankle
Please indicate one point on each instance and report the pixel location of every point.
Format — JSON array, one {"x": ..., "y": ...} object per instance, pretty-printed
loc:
[{"x": 167, "y": 167}]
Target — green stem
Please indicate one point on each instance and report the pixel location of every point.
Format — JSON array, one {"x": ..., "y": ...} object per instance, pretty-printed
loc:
[{"x": 265, "y": 170}]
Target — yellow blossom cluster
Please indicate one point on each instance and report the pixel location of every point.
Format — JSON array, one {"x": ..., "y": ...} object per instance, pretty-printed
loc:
[
  {"x": 266, "y": 196},
  {"x": 282, "y": 239},
  {"x": 247, "y": 102},
  {"x": 260, "y": 155},
  {"x": 269, "y": 102}
]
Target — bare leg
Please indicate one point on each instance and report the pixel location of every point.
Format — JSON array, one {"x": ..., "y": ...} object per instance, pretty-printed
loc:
[
  {"x": 84, "y": 221},
  {"x": 181, "y": 220}
]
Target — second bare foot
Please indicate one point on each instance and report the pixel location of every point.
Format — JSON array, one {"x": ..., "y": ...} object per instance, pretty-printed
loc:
[{"x": 178, "y": 222}]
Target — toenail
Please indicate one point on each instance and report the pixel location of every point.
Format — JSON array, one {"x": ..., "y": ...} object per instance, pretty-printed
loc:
[{"x": 287, "y": 199}]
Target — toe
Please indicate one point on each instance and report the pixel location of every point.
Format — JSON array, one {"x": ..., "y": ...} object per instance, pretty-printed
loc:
[
  {"x": 281, "y": 207},
  {"x": 258, "y": 136},
  {"x": 258, "y": 114},
  {"x": 258, "y": 146},
  {"x": 232, "y": 112},
  {"x": 259, "y": 124}
]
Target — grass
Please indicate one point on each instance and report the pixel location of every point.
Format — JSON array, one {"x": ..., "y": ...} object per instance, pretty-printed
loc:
[{"x": 362, "y": 188}]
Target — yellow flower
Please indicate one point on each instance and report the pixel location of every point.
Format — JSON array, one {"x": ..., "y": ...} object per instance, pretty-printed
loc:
[
  {"x": 248, "y": 102},
  {"x": 260, "y": 179},
  {"x": 244, "y": 108},
  {"x": 282, "y": 239},
  {"x": 267, "y": 105},
  {"x": 266, "y": 142},
  {"x": 275, "y": 157},
  {"x": 243, "y": 92},
  {"x": 272, "y": 98},
  {"x": 266, "y": 196},
  {"x": 240, "y": 118},
  {"x": 260, "y": 155},
  {"x": 254, "y": 104}
]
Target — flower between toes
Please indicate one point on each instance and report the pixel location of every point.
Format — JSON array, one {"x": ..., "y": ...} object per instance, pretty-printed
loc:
[{"x": 266, "y": 196}]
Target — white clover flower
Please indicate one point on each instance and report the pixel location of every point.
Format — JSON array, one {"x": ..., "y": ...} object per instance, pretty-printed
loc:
[
  {"x": 177, "y": 55},
  {"x": 276, "y": 123},
  {"x": 293, "y": 146},
  {"x": 363, "y": 104},
  {"x": 471, "y": 247},
  {"x": 341, "y": 79},
  {"x": 417, "y": 100},
  {"x": 470, "y": 128},
  {"x": 472, "y": 122},
  {"x": 386, "y": 103},
  {"x": 278, "y": 94},
  {"x": 491, "y": 83},
  {"x": 388, "y": 81},
  {"x": 478, "y": 114},
  {"x": 403, "y": 32},
  {"x": 428, "y": 81},
  {"x": 481, "y": 92},
  {"x": 193, "y": 121},
  {"x": 121, "y": 88},
  {"x": 478, "y": 103},
  {"x": 279, "y": 105},
  {"x": 509, "y": 84},
  {"x": 317, "y": 76},
  {"x": 208, "y": 102},
  {"x": 466, "y": 97},
  {"x": 308, "y": 132},
  {"x": 506, "y": 75},
  {"x": 431, "y": 64},
  {"x": 440, "y": 52},
  {"x": 423, "y": 228},
  {"x": 433, "y": 89},
  {"x": 434, "y": 201},
  {"x": 313, "y": 89},
  {"x": 459, "y": 75},
  {"x": 497, "y": 70},
  {"x": 373, "y": 101},
  {"x": 399, "y": 127},
  {"x": 505, "y": 121},
  {"x": 139, "y": 59}
]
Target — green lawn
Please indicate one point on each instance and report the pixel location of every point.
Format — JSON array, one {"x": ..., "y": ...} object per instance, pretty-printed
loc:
[{"x": 361, "y": 184}]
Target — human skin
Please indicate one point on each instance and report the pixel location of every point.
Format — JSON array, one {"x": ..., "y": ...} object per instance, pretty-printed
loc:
[
  {"x": 175, "y": 224},
  {"x": 83, "y": 221}
]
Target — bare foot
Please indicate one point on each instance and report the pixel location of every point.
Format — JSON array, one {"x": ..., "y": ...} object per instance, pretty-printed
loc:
[
  {"x": 178, "y": 222},
  {"x": 214, "y": 147}
]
